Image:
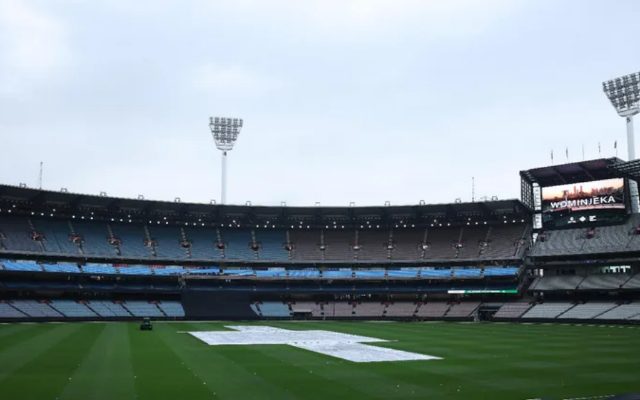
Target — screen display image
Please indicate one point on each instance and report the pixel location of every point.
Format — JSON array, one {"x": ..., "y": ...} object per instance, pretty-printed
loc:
[{"x": 583, "y": 203}]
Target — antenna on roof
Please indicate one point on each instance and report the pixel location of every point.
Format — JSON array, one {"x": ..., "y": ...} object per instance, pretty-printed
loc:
[
  {"x": 473, "y": 189},
  {"x": 40, "y": 176}
]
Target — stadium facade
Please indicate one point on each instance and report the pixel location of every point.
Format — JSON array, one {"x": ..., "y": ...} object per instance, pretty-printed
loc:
[{"x": 560, "y": 253}]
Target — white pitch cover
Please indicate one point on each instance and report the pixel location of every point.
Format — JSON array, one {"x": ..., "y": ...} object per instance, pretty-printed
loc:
[{"x": 340, "y": 345}]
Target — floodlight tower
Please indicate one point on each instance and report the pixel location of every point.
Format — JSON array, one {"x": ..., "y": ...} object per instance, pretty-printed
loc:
[
  {"x": 624, "y": 94},
  {"x": 225, "y": 132}
]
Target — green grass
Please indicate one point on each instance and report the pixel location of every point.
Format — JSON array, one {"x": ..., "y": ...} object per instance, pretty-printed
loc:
[{"x": 481, "y": 361}]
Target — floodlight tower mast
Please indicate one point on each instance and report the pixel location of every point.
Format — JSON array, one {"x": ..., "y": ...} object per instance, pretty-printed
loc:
[
  {"x": 225, "y": 132},
  {"x": 624, "y": 94}
]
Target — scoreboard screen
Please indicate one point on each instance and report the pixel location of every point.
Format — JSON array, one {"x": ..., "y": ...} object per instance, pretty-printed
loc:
[{"x": 583, "y": 203}]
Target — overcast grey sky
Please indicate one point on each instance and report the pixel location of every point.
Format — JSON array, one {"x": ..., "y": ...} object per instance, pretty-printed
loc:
[{"x": 343, "y": 100}]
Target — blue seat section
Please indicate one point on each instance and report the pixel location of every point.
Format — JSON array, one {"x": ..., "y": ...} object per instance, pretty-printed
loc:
[
  {"x": 35, "y": 308},
  {"x": 431, "y": 273},
  {"x": 65, "y": 268},
  {"x": 274, "y": 309},
  {"x": 237, "y": 243},
  {"x": 467, "y": 273},
  {"x": 271, "y": 273},
  {"x": 238, "y": 272},
  {"x": 95, "y": 236},
  {"x": 203, "y": 242},
  {"x": 343, "y": 273},
  {"x": 272, "y": 245},
  {"x": 6, "y": 311},
  {"x": 142, "y": 309},
  {"x": 171, "y": 308},
  {"x": 17, "y": 234},
  {"x": 108, "y": 309},
  {"x": 56, "y": 236},
  {"x": 30, "y": 266},
  {"x": 99, "y": 269},
  {"x": 369, "y": 273},
  {"x": 501, "y": 271},
  {"x": 403, "y": 273},
  {"x": 135, "y": 270},
  {"x": 167, "y": 242},
  {"x": 308, "y": 273},
  {"x": 203, "y": 271},
  {"x": 131, "y": 240},
  {"x": 70, "y": 308},
  {"x": 170, "y": 270}
]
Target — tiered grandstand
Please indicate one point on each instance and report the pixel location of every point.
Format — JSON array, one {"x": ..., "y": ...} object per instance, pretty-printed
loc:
[{"x": 70, "y": 256}]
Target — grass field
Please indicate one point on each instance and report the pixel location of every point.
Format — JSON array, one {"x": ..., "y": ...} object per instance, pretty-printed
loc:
[{"x": 480, "y": 361}]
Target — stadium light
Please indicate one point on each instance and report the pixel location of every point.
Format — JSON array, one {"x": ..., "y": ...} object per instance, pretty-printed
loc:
[
  {"x": 624, "y": 94},
  {"x": 225, "y": 132}
]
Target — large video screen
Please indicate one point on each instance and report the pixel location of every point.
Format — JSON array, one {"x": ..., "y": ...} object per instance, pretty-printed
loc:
[{"x": 583, "y": 203}]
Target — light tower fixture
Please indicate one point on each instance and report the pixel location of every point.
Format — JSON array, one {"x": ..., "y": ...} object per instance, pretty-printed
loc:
[
  {"x": 225, "y": 132},
  {"x": 624, "y": 94}
]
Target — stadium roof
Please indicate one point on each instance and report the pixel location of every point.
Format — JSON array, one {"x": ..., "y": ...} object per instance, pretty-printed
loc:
[
  {"x": 573, "y": 172},
  {"x": 46, "y": 202},
  {"x": 629, "y": 169}
]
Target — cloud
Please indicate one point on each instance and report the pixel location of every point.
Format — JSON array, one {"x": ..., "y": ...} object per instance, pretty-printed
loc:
[
  {"x": 234, "y": 79},
  {"x": 33, "y": 46},
  {"x": 367, "y": 20}
]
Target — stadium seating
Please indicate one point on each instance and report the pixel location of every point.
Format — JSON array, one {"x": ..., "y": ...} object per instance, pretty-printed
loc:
[
  {"x": 467, "y": 273},
  {"x": 373, "y": 245},
  {"x": 142, "y": 309},
  {"x": 432, "y": 273},
  {"x": 608, "y": 281},
  {"x": 512, "y": 310},
  {"x": 432, "y": 310},
  {"x": 94, "y": 238},
  {"x": 238, "y": 272},
  {"x": 274, "y": 309},
  {"x": 167, "y": 242},
  {"x": 134, "y": 270},
  {"x": 99, "y": 269},
  {"x": 306, "y": 306},
  {"x": 7, "y": 311},
  {"x": 307, "y": 273},
  {"x": 547, "y": 310},
  {"x": 24, "y": 266},
  {"x": 621, "y": 312},
  {"x": 35, "y": 309},
  {"x": 170, "y": 270},
  {"x": 275, "y": 272},
  {"x": 369, "y": 309},
  {"x": 632, "y": 283},
  {"x": 203, "y": 271},
  {"x": 271, "y": 245},
  {"x": 561, "y": 282},
  {"x": 171, "y": 308},
  {"x": 131, "y": 240},
  {"x": 203, "y": 242},
  {"x": 401, "y": 309},
  {"x": 500, "y": 271},
  {"x": 17, "y": 235},
  {"x": 108, "y": 309},
  {"x": 607, "y": 239},
  {"x": 73, "y": 309},
  {"x": 403, "y": 273},
  {"x": 587, "y": 311},
  {"x": 56, "y": 236},
  {"x": 369, "y": 273},
  {"x": 343, "y": 273},
  {"x": 237, "y": 244},
  {"x": 463, "y": 309},
  {"x": 62, "y": 268}
]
